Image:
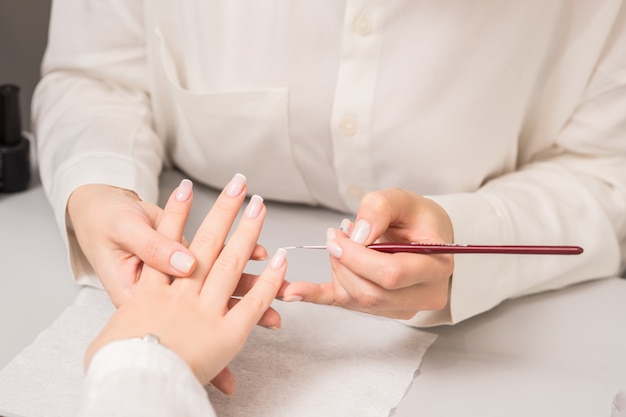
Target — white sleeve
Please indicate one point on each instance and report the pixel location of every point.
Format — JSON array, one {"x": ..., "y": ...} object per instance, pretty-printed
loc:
[
  {"x": 134, "y": 378},
  {"x": 573, "y": 193},
  {"x": 92, "y": 117},
  {"x": 619, "y": 404}
]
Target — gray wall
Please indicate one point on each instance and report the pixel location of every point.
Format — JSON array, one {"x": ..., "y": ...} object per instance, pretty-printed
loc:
[{"x": 23, "y": 35}]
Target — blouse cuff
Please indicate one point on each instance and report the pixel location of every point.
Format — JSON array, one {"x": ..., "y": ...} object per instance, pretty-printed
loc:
[
  {"x": 98, "y": 168},
  {"x": 475, "y": 285},
  {"x": 135, "y": 377}
]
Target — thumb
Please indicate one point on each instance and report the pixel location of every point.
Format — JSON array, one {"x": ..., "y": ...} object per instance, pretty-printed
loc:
[
  {"x": 158, "y": 251},
  {"x": 377, "y": 212},
  {"x": 224, "y": 381},
  {"x": 404, "y": 215}
]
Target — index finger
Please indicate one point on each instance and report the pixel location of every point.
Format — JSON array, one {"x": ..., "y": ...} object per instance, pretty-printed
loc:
[
  {"x": 172, "y": 225},
  {"x": 391, "y": 271},
  {"x": 399, "y": 214},
  {"x": 209, "y": 240},
  {"x": 253, "y": 305}
]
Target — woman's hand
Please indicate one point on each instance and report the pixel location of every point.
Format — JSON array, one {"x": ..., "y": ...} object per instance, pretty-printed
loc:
[
  {"x": 392, "y": 285},
  {"x": 116, "y": 231},
  {"x": 197, "y": 317}
]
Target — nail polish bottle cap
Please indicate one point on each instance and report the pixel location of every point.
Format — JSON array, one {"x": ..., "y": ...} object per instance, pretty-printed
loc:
[{"x": 14, "y": 147}]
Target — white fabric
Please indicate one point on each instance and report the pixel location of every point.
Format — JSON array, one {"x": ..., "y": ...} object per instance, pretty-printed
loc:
[
  {"x": 135, "y": 378},
  {"x": 512, "y": 115},
  {"x": 619, "y": 404},
  {"x": 324, "y": 361}
]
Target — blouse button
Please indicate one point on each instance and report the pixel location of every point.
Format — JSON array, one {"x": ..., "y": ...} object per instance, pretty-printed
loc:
[
  {"x": 349, "y": 126},
  {"x": 355, "y": 192},
  {"x": 362, "y": 25}
]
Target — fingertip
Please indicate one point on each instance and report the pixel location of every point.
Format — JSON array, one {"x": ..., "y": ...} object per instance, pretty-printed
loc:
[
  {"x": 236, "y": 185},
  {"x": 292, "y": 298},
  {"x": 271, "y": 319},
  {"x": 259, "y": 253},
  {"x": 308, "y": 292},
  {"x": 184, "y": 190},
  {"x": 334, "y": 249},
  {"x": 345, "y": 226},
  {"x": 183, "y": 262},
  {"x": 230, "y": 388},
  {"x": 361, "y": 231},
  {"x": 225, "y": 382},
  {"x": 279, "y": 258}
]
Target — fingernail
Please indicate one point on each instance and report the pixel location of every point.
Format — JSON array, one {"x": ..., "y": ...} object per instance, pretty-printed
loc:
[
  {"x": 330, "y": 233},
  {"x": 278, "y": 259},
  {"x": 292, "y": 298},
  {"x": 361, "y": 232},
  {"x": 254, "y": 206},
  {"x": 235, "y": 186},
  {"x": 182, "y": 262},
  {"x": 183, "y": 192},
  {"x": 334, "y": 249},
  {"x": 345, "y": 226}
]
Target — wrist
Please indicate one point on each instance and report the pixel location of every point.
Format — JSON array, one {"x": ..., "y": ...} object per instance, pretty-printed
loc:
[{"x": 84, "y": 194}]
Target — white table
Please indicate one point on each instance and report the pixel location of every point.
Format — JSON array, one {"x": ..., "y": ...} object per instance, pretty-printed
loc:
[
  {"x": 555, "y": 354},
  {"x": 35, "y": 283}
]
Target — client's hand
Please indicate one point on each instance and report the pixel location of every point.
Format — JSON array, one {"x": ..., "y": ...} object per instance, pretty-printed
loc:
[{"x": 197, "y": 317}]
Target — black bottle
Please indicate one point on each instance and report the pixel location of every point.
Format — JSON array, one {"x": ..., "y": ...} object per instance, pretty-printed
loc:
[{"x": 14, "y": 147}]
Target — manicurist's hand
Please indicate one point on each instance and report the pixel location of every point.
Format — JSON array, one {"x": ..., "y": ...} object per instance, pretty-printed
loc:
[
  {"x": 117, "y": 233},
  {"x": 197, "y": 317},
  {"x": 392, "y": 285}
]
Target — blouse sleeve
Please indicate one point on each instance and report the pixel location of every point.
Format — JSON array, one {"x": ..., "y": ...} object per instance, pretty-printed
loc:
[
  {"x": 136, "y": 378},
  {"x": 573, "y": 193},
  {"x": 92, "y": 117}
]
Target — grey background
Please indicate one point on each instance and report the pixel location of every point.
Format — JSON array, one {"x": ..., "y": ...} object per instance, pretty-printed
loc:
[{"x": 23, "y": 37}]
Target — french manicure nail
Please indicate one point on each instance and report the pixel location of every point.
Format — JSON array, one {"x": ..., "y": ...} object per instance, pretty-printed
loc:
[
  {"x": 183, "y": 192},
  {"x": 254, "y": 206},
  {"x": 330, "y": 233},
  {"x": 334, "y": 249},
  {"x": 345, "y": 226},
  {"x": 361, "y": 232},
  {"x": 235, "y": 186},
  {"x": 278, "y": 259},
  {"x": 292, "y": 298},
  {"x": 182, "y": 262}
]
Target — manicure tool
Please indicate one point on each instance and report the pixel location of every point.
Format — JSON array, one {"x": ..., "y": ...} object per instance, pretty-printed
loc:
[{"x": 435, "y": 248}]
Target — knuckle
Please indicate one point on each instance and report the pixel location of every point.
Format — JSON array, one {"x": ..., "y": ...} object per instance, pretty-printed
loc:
[
  {"x": 207, "y": 242},
  {"x": 256, "y": 302},
  {"x": 229, "y": 261},
  {"x": 375, "y": 202},
  {"x": 153, "y": 250},
  {"x": 391, "y": 276},
  {"x": 225, "y": 205},
  {"x": 342, "y": 298},
  {"x": 368, "y": 300},
  {"x": 175, "y": 210}
]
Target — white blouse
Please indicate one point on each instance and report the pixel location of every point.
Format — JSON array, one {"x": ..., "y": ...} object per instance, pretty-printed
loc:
[
  {"x": 135, "y": 378},
  {"x": 511, "y": 115}
]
